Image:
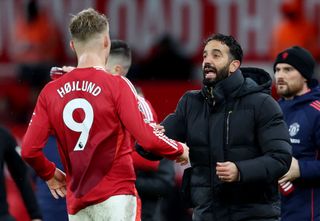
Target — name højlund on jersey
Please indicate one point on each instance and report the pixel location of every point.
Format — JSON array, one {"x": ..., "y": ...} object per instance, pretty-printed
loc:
[{"x": 85, "y": 86}]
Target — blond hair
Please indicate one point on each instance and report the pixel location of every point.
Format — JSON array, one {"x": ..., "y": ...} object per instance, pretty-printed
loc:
[{"x": 87, "y": 23}]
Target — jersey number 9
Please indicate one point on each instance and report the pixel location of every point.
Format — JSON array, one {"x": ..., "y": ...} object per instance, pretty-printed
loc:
[{"x": 83, "y": 127}]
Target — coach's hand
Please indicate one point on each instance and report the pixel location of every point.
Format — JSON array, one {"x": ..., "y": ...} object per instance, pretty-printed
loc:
[
  {"x": 57, "y": 184},
  {"x": 227, "y": 171}
]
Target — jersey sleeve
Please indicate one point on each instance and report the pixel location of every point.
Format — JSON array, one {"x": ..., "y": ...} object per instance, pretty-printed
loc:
[
  {"x": 145, "y": 134},
  {"x": 35, "y": 139}
]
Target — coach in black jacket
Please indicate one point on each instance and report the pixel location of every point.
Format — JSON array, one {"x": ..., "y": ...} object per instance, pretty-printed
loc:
[{"x": 239, "y": 143}]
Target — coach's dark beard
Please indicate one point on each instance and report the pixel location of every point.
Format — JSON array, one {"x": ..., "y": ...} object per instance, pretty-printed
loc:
[{"x": 221, "y": 74}]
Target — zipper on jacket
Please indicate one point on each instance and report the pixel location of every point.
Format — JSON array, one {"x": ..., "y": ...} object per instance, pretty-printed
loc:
[{"x": 228, "y": 126}]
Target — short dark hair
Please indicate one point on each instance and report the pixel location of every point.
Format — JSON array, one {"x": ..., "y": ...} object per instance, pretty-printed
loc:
[
  {"x": 120, "y": 48},
  {"x": 120, "y": 53},
  {"x": 234, "y": 46}
]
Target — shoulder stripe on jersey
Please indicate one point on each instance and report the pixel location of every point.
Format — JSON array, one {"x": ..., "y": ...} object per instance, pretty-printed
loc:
[
  {"x": 316, "y": 105},
  {"x": 145, "y": 109},
  {"x": 130, "y": 85}
]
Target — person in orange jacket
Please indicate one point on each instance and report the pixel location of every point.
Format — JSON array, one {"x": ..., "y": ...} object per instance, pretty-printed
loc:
[{"x": 294, "y": 29}]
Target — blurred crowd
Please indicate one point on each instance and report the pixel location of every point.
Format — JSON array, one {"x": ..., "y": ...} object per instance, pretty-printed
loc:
[{"x": 39, "y": 45}]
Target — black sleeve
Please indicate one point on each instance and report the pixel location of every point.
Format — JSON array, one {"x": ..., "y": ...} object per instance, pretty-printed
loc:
[
  {"x": 273, "y": 140},
  {"x": 175, "y": 123},
  {"x": 19, "y": 173},
  {"x": 156, "y": 183}
]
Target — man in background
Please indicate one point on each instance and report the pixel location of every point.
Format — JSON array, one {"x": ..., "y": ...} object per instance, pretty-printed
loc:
[{"x": 300, "y": 103}]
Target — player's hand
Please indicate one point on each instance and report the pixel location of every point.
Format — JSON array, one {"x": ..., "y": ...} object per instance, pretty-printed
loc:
[
  {"x": 292, "y": 174},
  {"x": 183, "y": 159},
  {"x": 57, "y": 184},
  {"x": 227, "y": 171}
]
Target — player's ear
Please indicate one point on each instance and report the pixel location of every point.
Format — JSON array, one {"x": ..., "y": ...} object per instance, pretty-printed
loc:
[
  {"x": 106, "y": 41},
  {"x": 118, "y": 69},
  {"x": 71, "y": 44}
]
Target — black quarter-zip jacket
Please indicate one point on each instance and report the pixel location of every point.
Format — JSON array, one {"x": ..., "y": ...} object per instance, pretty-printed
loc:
[{"x": 237, "y": 120}]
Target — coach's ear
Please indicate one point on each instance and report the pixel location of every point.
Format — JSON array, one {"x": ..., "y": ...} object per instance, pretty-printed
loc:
[{"x": 71, "y": 44}]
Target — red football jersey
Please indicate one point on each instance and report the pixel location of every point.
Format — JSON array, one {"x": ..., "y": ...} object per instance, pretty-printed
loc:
[{"x": 89, "y": 111}]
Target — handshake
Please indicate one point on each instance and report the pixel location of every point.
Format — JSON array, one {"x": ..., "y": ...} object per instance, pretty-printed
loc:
[{"x": 183, "y": 159}]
